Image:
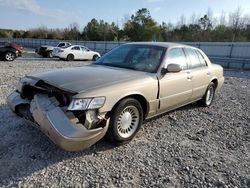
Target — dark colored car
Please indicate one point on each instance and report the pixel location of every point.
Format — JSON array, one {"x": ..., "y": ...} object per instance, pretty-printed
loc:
[
  {"x": 8, "y": 53},
  {"x": 18, "y": 47}
]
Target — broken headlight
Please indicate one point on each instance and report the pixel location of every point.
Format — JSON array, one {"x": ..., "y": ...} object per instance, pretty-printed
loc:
[{"x": 84, "y": 104}]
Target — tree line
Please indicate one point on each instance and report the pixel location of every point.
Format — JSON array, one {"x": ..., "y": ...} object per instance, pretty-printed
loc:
[{"x": 142, "y": 27}]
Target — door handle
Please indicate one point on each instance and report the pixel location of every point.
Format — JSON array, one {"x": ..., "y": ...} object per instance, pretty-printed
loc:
[
  {"x": 189, "y": 75},
  {"x": 208, "y": 73}
]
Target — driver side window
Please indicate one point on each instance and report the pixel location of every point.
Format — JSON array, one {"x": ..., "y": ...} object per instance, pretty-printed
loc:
[
  {"x": 61, "y": 45},
  {"x": 83, "y": 49},
  {"x": 177, "y": 56}
]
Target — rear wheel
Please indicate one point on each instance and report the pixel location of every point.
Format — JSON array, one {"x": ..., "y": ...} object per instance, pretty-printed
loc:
[
  {"x": 10, "y": 56},
  {"x": 95, "y": 57},
  {"x": 125, "y": 121},
  {"x": 208, "y": 98},
  {"x": 70, "y": 57}
]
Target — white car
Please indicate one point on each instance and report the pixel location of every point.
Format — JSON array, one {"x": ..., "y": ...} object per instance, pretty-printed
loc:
[{"x": 75, "y": 52}]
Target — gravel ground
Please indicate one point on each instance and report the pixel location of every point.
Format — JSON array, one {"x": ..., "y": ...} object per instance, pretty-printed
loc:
[{"x": 189, "y": 147}]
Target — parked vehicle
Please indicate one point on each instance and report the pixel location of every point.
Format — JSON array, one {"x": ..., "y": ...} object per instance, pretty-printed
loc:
[
  {"x": 18, "y": 47},
  {"x": 46, "y": 51},
  {"x": 76, "y": 52},
  {"x": 8, "y": 53},
  {"x": 76, "y": 107}
]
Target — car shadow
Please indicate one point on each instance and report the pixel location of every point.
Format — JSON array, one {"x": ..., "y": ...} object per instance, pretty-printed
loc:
[
  {"x": 49, "y": 59},
  {"x": 38, "y": 59},
  {"x": 25, "y": 150}
]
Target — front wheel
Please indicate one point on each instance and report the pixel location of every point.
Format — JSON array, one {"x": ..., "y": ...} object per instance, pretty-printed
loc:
[
  {"x": 208, "y": 98},
  {"x": 95, "y": 57},
  {"x": 125, "y": 121},
  {"x": 10, "y": 56},
  {"x": 49, "y": 54}
]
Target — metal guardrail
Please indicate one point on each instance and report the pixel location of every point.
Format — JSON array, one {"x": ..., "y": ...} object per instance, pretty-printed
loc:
[
  {"x": 230, "y": 55},
  {"x": 232, "y": 63}
]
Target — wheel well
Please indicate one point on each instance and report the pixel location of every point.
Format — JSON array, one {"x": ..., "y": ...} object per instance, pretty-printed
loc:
[
  {"x": 215, "y": 81},
  {"x": 141, "y": 100},
  {"x": 9, "y": 52},
  {"x": 70, "y": 55}
]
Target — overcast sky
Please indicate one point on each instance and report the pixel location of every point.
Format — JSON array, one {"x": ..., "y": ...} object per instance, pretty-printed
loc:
[{"x": 26, "y": 14}]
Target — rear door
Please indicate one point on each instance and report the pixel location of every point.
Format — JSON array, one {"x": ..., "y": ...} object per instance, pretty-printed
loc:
[
  {"x": 175, "y": 88},
  {"x": 86, "y": 53},
  {"x": 76, "y": 50},
  {"x": 200, "y": 72}
]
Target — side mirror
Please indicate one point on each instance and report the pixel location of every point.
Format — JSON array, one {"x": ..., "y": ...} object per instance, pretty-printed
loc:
[{"x": 174, "y": 68}]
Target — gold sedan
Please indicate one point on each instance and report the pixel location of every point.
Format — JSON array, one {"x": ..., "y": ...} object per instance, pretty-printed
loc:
[{"x": 76, "y": 107}]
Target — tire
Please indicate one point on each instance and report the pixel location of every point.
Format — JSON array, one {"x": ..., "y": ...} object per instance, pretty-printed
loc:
[
  {"x": 10, "y": 56},
  {"x": 208, "y": 98},
  {"x": 95, "y": 57},
  {"x": 125, "y": 121},
  {"x": 70, "y": 57},
  {"x": 49, "y": 54}
]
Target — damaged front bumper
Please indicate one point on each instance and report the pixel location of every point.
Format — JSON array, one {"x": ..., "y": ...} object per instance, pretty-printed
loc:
[{"x": 44, "y": 113}]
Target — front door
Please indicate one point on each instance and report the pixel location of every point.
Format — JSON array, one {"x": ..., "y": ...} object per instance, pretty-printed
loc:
[
  {"x": 175, "y": 88},
  {"x": 86, "y": 53},
  {"x": 76, "y": 51}
]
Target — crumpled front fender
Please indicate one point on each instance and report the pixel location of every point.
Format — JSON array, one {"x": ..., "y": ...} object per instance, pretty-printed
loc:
[{"x": 51, "y": 120}]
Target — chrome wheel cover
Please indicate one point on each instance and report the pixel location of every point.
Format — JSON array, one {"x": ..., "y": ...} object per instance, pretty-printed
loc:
[
  {"x": 128, "y": 121},
  {"x": 9, "y": 56},
  {"x": 210, "y": 95}
]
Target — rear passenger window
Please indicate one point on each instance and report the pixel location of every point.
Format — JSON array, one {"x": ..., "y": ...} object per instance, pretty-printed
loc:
[
  {"x": 202, "y": 60},
  {"x": 75, "y": 48},
  {"x": 196, "y": 58},
  {"x": 177, "y": 56}
]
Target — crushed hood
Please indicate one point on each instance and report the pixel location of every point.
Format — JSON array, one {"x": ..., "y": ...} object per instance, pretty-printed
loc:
[{"x": 80, "y": 79}]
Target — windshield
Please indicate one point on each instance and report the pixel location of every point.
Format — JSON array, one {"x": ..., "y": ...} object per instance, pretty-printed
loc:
[{"x": 137, "y": 57}]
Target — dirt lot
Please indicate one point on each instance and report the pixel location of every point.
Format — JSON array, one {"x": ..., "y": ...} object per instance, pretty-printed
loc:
[{"x": 189, "y": 147}]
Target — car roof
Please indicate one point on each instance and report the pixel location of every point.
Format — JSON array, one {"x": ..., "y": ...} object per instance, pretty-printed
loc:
[
  {"x": 78, "y": 46},
  {"x": 160, "y": 44},
  {"x": 74, "y": 46}
]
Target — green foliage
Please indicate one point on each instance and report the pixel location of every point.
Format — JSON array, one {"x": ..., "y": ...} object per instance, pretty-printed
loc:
[
  {"x": 205, "y": 23},
  {"x": 3, "y": 34},
  {"x": 142, "y": 27},
  {"x": 101, "y": 31}
]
